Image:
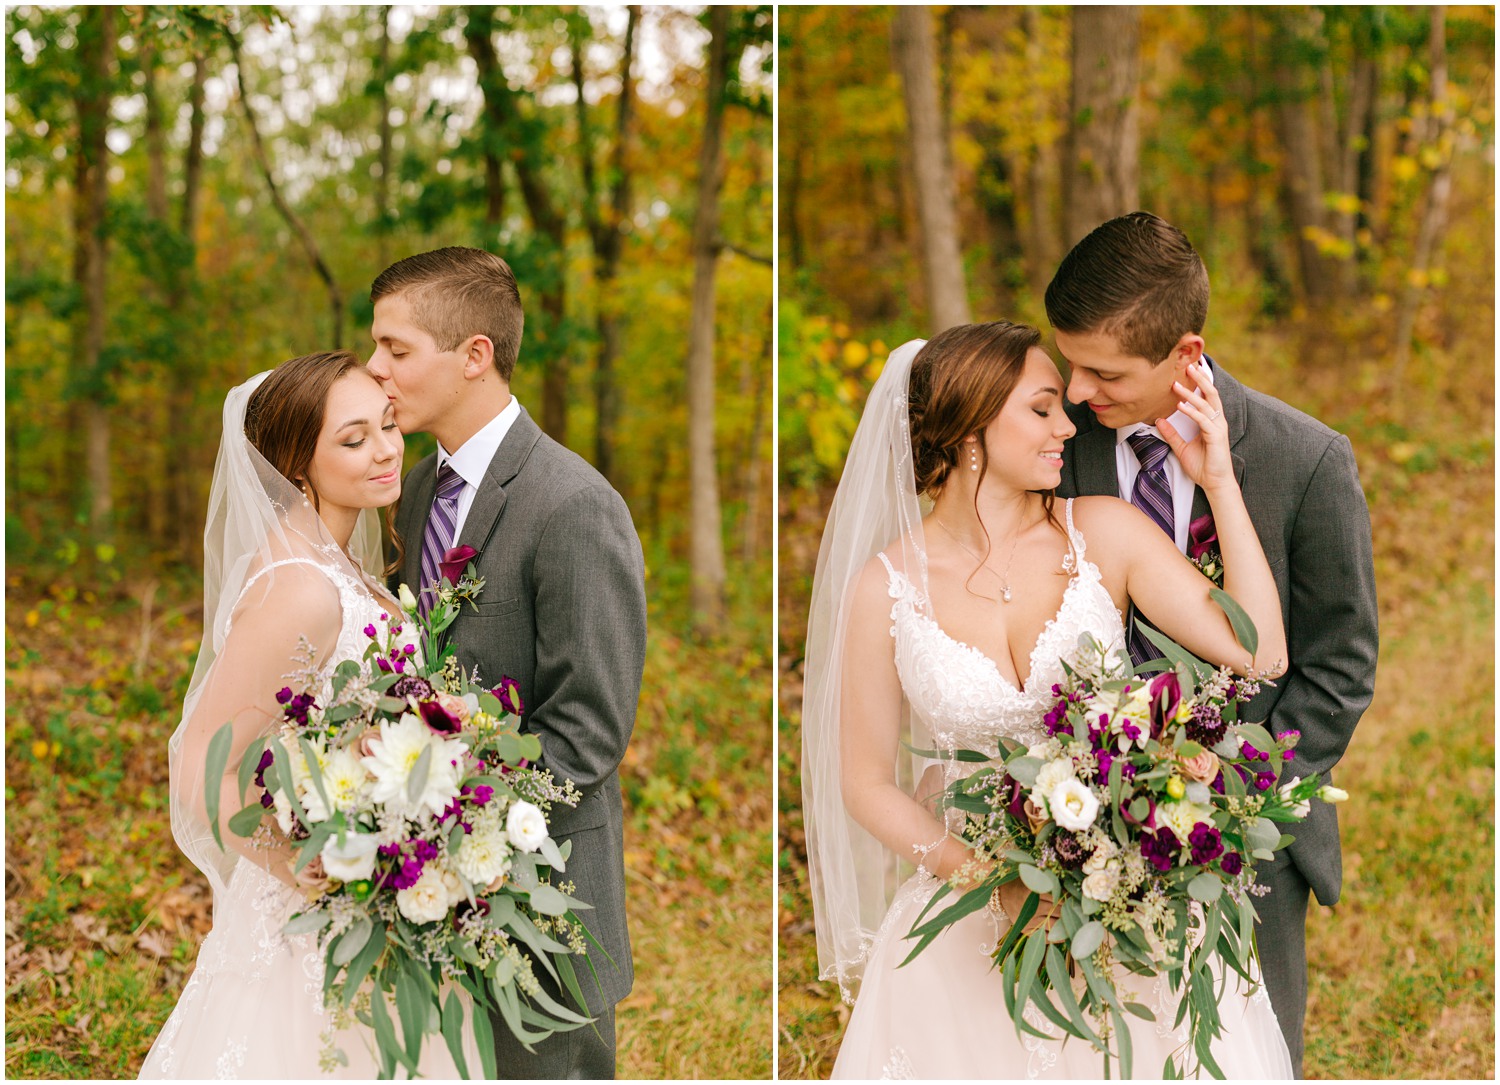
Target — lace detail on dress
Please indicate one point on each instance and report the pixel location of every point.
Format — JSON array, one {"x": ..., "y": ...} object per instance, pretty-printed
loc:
[
  {"x": 898, "y": 1067},
  {"x": 959, "y": 692}
]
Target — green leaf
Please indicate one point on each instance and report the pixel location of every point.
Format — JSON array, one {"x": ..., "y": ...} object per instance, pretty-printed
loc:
[
  {"x": 310, "y": 757},
  {"x": 353, "y": 941},
  {"x": 1206, "y": 887},
  {"x": 411, "y": 1007},
  {"x": 249, "y": 763},
  {"x": 1261, "y": 834},
  {"x": 1239, "y": 621},
  {"x": 1039, "y": 881},
  {"x": 1027, "y": 972},
  {"x": 548, "y": 901},
  {"x": 392, "y": 705},
  {"x": 1024, "y": 770},
  {"x": 1122, "y": 1038},
  {"x": 385, "y": 1035},
  {"x": 247, "y": 820},
  {"x": 490, "y": 705},
  {"x": 341, "y": 712},
  {"x": 1057, "y": 972},
  {"x": 453, "y": 1031},
  {"x": 484, "y": 1040},
  {"x": 360, "y": 967},
  {"x": 281, "y": 770},
  {"x": 217, "y": 759},
  {"x": 306, "y": 923},
  {"x": 417, "y": 781},
  {"x": 1089, "y": 938},
  {"x": 551, "y": 853},
  {"x": 1143, "y": 1012}
]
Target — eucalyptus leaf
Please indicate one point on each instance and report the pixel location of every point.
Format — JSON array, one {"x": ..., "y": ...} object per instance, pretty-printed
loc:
[
  {"x": 416, "y": 783},
  {"x": 1262, "y": 834},
  {"x": 217, "y": 759},
  {"x": 1239, "y": 620},
  {"x": 306, "y": 923},
  {"x": 548, "y": 900},
  {"x": 453, "y": 1031},
  {"x": 1206, "y": 887},
  {"x": 1089, "y": 938},
  {"x": 1024, "y": 770},
  {"x": 250, "y": 763},
  {"x": 353, "y": 941},
  {"x": 553, "y": 855},
  {"x": 247, "y": 820},
  {"x": 1039, "y": 881}
]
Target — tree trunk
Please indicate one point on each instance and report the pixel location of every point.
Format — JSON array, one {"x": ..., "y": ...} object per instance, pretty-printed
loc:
[
  {"x": 607, "y": 227},
  {"x": 1435, "y": 209},
  {"x": 1101, "y": 175},
  {"x": 383, "y": 182},
  {"x": 1302, "y": 180},
  {"x": 707, "y": 556},
  {"x": 157, "y": 498},
  {"x": 942, "y": 260},
  {"x": 96, "y": 59},
  {"x": 1041, "y": 237},
  {"x": 758, "y": 376},
  {"x": 794, "y": 145},
  {"x": 506, "y": 126},
  {"x": 192, "y": 167},
  {"x": 309, "y": 244}
]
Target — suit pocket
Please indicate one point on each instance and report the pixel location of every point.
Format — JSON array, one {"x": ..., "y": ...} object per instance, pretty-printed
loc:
[
  {"x": 497, "y": 608},
  {"x": 591, "y": 813}
]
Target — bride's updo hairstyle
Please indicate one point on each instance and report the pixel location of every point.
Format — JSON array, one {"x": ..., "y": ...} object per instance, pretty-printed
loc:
[
  {"x": 959, "y": 382},
  {"x": 285, "y": 414}
]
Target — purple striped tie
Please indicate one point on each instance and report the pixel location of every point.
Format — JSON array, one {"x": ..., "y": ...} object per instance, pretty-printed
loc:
[
  {"x": 438, "y": 537},
  {"x": 1152, "y": 494}
]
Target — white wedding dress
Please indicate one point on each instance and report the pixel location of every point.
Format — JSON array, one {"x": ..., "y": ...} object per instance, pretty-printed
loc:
[
  {"x": 943, "y": 1015},
  {"x": 253, "y": 1007}
]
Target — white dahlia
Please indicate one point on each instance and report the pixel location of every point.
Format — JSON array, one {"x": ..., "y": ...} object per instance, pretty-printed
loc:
[{"x": 394, "y": 755}]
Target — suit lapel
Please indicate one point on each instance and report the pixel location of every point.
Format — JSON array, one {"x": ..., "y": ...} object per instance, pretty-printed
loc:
[
  {"x": 489, "y": 501},
  {"x": 1094, "y": 469}
]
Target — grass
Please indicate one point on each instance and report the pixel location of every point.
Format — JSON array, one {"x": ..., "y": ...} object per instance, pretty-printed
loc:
[
  {"x": 1402, "y": 969},
  {"x": 104, "y": 915}
]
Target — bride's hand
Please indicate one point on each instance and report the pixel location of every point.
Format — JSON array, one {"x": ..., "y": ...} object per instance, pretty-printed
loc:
[
  {"x": 1013, "y": 895},
  {"x": 1205, "y": 459}
]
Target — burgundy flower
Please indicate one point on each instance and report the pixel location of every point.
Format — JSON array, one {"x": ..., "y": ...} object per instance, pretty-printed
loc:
[
  {"x": 1149, "y": 821},
  {"x": 1231, "y": 864},
  {"x": 439, "y": 718},
  {"x": 1202, "y": 536},
  {"x": 509, "y": 693},
  {"x": 369, "y": 631},
  {"x": 1205, "y": 843},
  {"x": 463, "y": 909},
  {"x": 1206, "y": 726},
  {"x": 1070, "y": 852},
  {"x": 1160, "y": 849},
  {"x": 1166, "y": 695},
  {"x": 453, "y": 562}
]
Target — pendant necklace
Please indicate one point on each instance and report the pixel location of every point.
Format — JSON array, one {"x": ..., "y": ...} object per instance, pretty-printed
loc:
[{"x": 1005, "y": 578}]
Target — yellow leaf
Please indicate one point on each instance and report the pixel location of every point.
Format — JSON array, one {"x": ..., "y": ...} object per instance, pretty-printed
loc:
[
  {"x": 32, "y": 617},
  {"x": 39, "y": 749},
  {"x": 841, "y": 330},
  {"x": 1403, "y": 167},
  {"x": 855, "y": 353}
]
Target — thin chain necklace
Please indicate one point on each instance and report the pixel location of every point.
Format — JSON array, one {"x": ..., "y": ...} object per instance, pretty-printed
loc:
[{"x": 1005, "y": 578}]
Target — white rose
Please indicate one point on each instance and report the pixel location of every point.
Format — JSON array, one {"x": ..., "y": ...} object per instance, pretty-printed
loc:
[
  {"x": 428, "y": 900},
  {"x": 1299, "y": 809},
  {"x": 407, "y": 600},
  {"x": 1073, "y": 805},
  {"x": 1105, "y": 850},
  {"x": 1101, "y": 884},
  {"x": 484, "y": 855},
  {"x": 526, "y": 826},
  {"x": 354, "y": 860}
]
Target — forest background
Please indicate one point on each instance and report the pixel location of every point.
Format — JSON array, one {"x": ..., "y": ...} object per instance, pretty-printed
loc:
[
  {"x": 195, "y": 194},
  {"x": 1335, "y": 168}
]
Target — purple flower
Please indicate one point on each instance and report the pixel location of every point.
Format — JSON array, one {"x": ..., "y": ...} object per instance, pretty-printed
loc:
[
  {"x": 410, "y": 649},
  {"x": 370, "y": 631},
  {"x": 482, "y": 794},
  {"x": 1205, "y": 843},
  {"x": 1160, "y": 849},
  {"x": 284, "y": 694},
  {"x": 297, "y": 708},
  {"x": 267, "y": 759},
  {"x": 439, "y": 718},
  {"x": 1263, "y": 780},
  {"x": 453, "y": 562},
  {"x": 425, "y": 850},
  {"x": 1130, "y": 730},
  {"x": 266, "y": 800},
  {"x": 383, "y": 664},
  {"x": 463, "y": 909},
  {"x": 1105, "y": 759},
  {"x": 509, "y": 693},
  {"x": 1231, "y": 864},
  {"x": 1149, "y": 821},
  {"x": 411, "y": 685}
]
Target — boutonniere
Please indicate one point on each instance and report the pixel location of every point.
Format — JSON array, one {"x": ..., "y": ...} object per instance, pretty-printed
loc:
[
  {"x": 457, "y": 579},
  {"x": 1203, "y": 549}
]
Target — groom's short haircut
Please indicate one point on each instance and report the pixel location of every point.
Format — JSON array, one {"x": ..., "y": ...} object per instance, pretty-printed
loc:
[
  {"x": 456, "y": 292},
  {"x": 1137, "y": 278}
]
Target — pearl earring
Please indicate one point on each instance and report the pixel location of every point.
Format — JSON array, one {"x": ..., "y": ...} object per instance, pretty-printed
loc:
[{"x": 973, "y": 457}]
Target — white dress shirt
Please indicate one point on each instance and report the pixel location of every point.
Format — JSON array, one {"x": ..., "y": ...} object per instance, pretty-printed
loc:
[
  {"x": 1127, "y": 467},
  {"x": 473, "y": 458}
]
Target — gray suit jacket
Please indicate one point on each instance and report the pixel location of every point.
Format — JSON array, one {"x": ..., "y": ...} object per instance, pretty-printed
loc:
[
  {"x": 1302, "y": 490},
  {"x": 563, "y": 612}
]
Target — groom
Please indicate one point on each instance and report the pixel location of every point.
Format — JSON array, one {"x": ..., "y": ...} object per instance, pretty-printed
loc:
[
  {"x": 1128, "y": 306},
  {"x": 563, "y": 610}
]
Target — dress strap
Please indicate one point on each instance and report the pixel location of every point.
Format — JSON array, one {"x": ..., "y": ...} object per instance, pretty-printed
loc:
[
  {"x": 327, "y": 570},
  {"x": 1073, "y": 562}
]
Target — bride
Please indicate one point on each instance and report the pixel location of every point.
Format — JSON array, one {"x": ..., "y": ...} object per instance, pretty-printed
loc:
[
  {"x": 942, "y": 623},
  {"x": 291, "y": 549}
]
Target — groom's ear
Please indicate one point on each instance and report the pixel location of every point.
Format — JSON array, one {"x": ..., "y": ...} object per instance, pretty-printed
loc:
[
  {"x": 479, "y": 356},
  {"x": 1188, "y": 350}
]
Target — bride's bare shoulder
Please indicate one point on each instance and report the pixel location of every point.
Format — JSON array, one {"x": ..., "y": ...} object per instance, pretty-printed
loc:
[{"x": 1103, "y": 514}]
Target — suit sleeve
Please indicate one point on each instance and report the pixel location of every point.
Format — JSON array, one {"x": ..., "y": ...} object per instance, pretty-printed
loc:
[
  {"x": 590, "y": 636},
  {"x": 1332, "y": 635}
]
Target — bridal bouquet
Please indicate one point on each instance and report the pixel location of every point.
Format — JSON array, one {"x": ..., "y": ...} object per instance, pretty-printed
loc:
[
  {"x": 421, "y": 838},
  {"x": 1140, "y": 820}
]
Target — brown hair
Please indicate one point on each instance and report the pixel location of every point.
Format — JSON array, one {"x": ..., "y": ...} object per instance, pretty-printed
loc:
[
  {"x": 284, "y": 418},
  {"x": 959, "y": 382},
  {"x": 456, "y": 293},
  {"x": 1137, "y": 278}
]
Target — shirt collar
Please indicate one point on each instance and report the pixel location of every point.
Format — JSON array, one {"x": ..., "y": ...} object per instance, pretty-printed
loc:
[
  {"x": 1124, "y": 433},
  {"x": 473, "y": 458}
]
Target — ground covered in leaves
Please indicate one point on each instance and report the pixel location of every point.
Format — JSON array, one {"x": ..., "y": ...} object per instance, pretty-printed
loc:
[{"x": 103, "y": 915}]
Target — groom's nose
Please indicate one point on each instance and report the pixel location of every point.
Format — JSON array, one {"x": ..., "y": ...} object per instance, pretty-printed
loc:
[{"x": 1079, "y": 387}]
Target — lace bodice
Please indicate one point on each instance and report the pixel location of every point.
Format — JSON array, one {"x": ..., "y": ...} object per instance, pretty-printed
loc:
[{"x": 958, "y": 692}]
